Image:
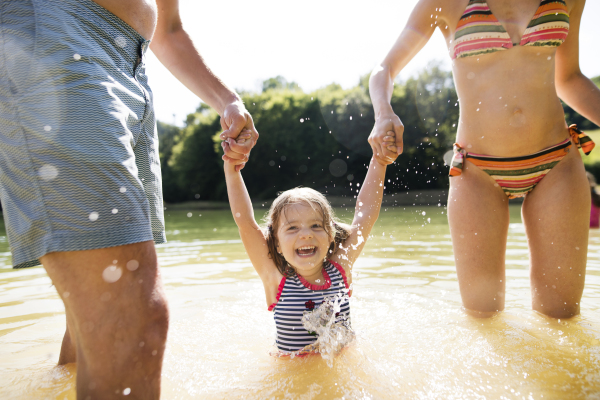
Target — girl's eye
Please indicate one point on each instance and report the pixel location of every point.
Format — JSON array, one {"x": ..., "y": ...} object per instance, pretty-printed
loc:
[
  {"x": 291, "y": 228},
  {"x": 316, "y": 226}
]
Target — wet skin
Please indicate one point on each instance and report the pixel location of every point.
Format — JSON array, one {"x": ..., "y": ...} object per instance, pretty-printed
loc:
[{"x": 509, "y": 106}]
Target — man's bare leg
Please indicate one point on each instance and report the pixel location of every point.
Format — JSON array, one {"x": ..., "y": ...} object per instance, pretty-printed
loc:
[
  {"x": 68, "y": 353},
  {"x": 117, "y": 318}
]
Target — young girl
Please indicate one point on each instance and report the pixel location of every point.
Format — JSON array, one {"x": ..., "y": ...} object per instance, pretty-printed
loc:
[{"x": 305, "y": 255}]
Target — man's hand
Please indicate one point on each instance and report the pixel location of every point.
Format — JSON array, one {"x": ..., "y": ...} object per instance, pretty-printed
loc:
[{"x": 236, "y": 119}]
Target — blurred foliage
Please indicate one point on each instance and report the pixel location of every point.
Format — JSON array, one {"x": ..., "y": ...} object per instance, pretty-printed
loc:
[{"x": 317, "y": 139}]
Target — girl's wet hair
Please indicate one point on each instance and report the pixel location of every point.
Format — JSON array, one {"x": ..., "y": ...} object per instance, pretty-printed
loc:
[{"x": 336, "y": 229}]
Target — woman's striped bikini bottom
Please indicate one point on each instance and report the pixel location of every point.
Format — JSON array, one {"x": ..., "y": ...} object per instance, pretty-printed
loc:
[{"x": 517, "y": 176}]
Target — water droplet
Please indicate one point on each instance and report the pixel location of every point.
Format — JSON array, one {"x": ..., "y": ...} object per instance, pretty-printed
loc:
[
  {"x": 47, "y": 128},
  {"x": 76, "y": 57},
  {"x": 127, "y": 391},
  {"x": 301, "y": 120},
  {"x": 142, "y": 344},
  {"x": 360, "y": 214},
  {"x": 132, "y": 265},
  {"x": 423, "y": 213},
  {"x": 120, "y": 41},
  {"x": 66, "y": 295},
  {"x": 115, "y": 210},
  {"x": 48, "y": 172},
  {"x": 549, "y": 57},
  {"x": 272, "y": 163},
  {"x": 93, "y": 216},
  {"x": 238, "y": 215},
  {"x": 112, "y": 273},
  {"x": 123, "y": 189},
  {"x": 154, "y": 352},
  {"x": 189, "y": 215},
  {"x": 338, "y": 167}
]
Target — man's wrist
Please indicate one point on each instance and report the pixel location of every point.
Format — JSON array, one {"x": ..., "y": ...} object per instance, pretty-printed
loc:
[{"x": 232, "y": 99}]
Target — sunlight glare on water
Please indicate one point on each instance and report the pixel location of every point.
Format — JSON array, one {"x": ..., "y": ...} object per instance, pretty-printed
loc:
[{"x": 412, "y": 338}]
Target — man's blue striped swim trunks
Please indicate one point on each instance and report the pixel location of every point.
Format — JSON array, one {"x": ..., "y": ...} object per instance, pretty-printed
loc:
[{"x": 79, "y": 164}]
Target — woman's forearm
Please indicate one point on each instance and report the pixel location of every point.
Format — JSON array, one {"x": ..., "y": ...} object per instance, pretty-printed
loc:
[
  {"x": 381, "y": 87},
  {"x": 582, "y": 95}
]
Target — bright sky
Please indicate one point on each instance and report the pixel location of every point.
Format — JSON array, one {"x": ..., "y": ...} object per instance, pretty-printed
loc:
[{"x": 313, "y": 42}]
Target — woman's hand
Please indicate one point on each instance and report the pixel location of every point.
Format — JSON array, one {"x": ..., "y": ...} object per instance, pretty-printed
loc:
[{"x": 386, "y": 139}]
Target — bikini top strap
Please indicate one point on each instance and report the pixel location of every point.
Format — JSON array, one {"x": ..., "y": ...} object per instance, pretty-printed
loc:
[{"x": 581, "y": 140}]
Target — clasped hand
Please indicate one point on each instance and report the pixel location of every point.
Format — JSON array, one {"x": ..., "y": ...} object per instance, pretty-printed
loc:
[
  {"x": 386, "y": 139},
  {"x": 239, "y": 134}
]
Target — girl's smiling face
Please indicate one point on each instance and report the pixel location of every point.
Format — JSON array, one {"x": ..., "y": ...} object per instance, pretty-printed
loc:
[{"x": 302, "y": 238}]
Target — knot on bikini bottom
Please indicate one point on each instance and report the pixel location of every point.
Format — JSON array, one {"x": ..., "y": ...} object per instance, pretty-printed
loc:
[{"x": 583, "y": 141}]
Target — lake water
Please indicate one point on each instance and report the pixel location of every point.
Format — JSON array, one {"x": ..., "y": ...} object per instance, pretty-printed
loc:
[{"x": 413, "y": 339}]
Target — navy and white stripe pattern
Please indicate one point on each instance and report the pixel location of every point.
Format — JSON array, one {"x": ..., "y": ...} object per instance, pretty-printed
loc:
[
  {"x": 295, "y": 298},
  {"x": 79, "y": 163}
]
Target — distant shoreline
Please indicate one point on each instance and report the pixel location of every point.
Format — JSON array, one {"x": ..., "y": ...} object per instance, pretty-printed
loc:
[{"x": 425, "y": 197}]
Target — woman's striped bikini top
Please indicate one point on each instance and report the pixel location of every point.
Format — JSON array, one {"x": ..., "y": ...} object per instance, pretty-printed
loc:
[
  {"x": 479, "y": 32},
  {"x": 296, "y": 295}
]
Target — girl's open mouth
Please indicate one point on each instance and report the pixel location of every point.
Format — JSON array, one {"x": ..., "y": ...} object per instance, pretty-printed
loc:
[{"x": 306, "y": 251}]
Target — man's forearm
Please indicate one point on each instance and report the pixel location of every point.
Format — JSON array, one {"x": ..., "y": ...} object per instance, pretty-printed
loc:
[{"x": 176, "y": 51}]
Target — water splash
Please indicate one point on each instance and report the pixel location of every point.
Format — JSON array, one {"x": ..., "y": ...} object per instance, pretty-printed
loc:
[{"x": 333, "y": 330}]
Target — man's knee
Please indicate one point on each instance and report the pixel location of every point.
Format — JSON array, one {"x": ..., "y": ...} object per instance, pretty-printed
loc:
[{"x": 156, "y": 320}]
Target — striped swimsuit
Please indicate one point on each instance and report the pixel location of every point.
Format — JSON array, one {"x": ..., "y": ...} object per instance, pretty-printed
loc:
[
  {"x": 296, "y": 296},
  {"x": 479, "y": 32}
]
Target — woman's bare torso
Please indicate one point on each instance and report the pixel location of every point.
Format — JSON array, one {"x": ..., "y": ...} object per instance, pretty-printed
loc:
[
  {"x": 141, "y": 15},
  {"x": 508, "y": 100}
]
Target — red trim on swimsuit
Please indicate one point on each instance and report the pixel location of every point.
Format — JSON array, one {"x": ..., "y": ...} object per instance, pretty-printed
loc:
[
  {"x": 343, "y": 273},
  {"x": 279, "y": 290},
  {"x": 311, "y": 286}
]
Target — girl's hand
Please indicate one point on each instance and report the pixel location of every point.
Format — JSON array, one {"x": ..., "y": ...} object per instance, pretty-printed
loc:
[
  {"x": 386, "y": 139},
  {"x": 244, "y": 138},
  {"x": 235, "y": 121}
]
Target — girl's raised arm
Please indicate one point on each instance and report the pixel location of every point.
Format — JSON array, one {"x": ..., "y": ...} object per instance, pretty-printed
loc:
[
  {"x": 250, "y": 232},
  {"x": 368, "y": 204}
]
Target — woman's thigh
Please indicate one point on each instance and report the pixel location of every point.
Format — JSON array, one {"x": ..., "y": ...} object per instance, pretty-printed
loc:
[
  {"x": 478, "y": 217},
  {"x": 556, "y": 216}
]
